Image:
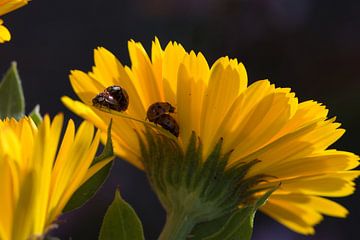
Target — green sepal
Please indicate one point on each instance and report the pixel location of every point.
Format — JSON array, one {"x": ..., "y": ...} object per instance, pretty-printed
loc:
[
  {"x": 90, "y": 187},
  {"x": 121, "y": 222},
  {"x": 12, "y": 103},
  {"x": 108, "y": 150},
  {"x": 195, "y": 189},
  {"x": 237, "y": 225},
  {"x": 35, "y": 115}
]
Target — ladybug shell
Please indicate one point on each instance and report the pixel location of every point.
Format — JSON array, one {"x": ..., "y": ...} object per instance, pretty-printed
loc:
[
  {"x": 120, "y": 95},
  {"x": 157, "y": 109},
  {"x": 168, "y": 123},
  {"x": 113, "y": 97}
]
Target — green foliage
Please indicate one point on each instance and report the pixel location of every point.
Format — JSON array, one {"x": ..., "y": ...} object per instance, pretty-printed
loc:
[
  {"x": 108, "y": 150},
  {"x": 90, "y": 187},
  {"x": 237, "y": 225},
  {"x": 121, "y": 222},
  {"x": 12, "y": 103},
  {"x": 35, "y": 115}
]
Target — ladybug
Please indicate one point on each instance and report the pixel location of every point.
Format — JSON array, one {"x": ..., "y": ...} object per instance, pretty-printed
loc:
[
  {"x": 113, "y": 97},
  {"x": 168, "y": 123},
  {"x": 158, "y": 109}
]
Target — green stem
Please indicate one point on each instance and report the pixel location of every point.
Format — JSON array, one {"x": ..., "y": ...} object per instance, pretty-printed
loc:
[{"x": 178, "y": 225}]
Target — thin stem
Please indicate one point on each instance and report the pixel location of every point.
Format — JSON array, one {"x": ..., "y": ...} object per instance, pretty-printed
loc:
[
  {"x": 123, "y": 115},
  {"x": 178, "y": 225}
]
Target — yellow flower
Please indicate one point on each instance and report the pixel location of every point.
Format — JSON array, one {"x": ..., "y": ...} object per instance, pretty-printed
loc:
[
  {"x": 5, "y": 7},
  {"x": 257, "y": 121},
  {"x": 4, "y": 33},
  {"x": 37, "y": 179}
]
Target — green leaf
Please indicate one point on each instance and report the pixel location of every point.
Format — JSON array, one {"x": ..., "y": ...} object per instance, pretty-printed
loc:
[
  {"x": 121, "y": 222},
  {"x": 11, "y": 94},
  {"x": 245, "y": 229},
  {"x": 261, "y": 201},
  {"x": 237, "y": 225},
  {"x": 222, "y": 228},
  {"x": 35, "y": 115},
  {"x": 90, "y": 187},
  {"x": 108, "y": 150}
]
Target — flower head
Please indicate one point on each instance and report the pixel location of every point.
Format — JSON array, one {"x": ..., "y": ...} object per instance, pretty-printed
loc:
[
  {"x": 38, "y": 178},
  {"x": 5, "y": 7},
  {"x": 289, "y": 140}
]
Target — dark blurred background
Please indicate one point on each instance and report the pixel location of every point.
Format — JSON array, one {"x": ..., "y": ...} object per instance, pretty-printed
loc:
[{"x": 308, "y": 45}]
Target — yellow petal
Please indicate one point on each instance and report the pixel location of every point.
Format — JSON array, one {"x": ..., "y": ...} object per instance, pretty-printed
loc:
[
  {"x": 307, "y": 111},
  {"x": 9, "y": 144},
  {"x": 7, "y": 196},
  {"x": 11, "y": 5},
  {"x": 142, "y": 70},
  {"x": 337, "y": 184},
  {"x": 318, "y": 204},
  {"x": 224, "y": 87},
  {"x": 85, "y": 86},
  {"x": 297, "y": 218},
  {"x": 95, "y": 168},
  {"x": 191, "y": 84},
  {"x": 46, "y": 143},
  {"x": 57, "y": 187},
  {"x": 4, "y": 33},
  {"x": 83, "y": 111},
  {"x": 78, "y": 150},
  {"x": 192, "y": 80},
  {"x": 184, "y": 103},
  {"x": 64, "y": 150},
  {"x": 123, "y": 134},
  {"x": 26, "y": 206},
  {"x": 323, "y": 162},
  {"x": 305, "y": 141},
  {"x": 26, "y": 136},
  {"x": 157, "y": 61},
  {"x": 261, "y": 123},
  {"x": 108, "y": 71},
  {"x": 75, "y": 166},
  {"x": 173, "y": 56}
]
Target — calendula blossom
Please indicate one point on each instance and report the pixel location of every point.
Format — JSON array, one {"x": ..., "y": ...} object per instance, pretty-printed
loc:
[
  {"x": 39, "y": 172},
  {"x": 5, "y": 7},
  {"x": 290, "y": 140}
]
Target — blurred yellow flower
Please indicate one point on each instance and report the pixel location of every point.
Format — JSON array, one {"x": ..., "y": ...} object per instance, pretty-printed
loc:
[
  {"x": 38, "y": 179},
  {"x": 4, "y": 33},
  {"x": 259, "y": 121},
  {"x": 5, "y": 7}
]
